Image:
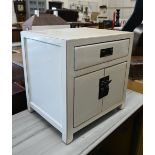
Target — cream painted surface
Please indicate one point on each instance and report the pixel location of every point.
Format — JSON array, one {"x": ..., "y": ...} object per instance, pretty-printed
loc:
[
  {"x": 50, "y": 74},
  {"x": 80, "y": 33},
  {"x": 89, "y": 55},
  {"x": 86, "y": 102},
  {"x": 45, "y": 27},
  {"x": 39, "y": 75},
  {"x": 117, "y": 74}
]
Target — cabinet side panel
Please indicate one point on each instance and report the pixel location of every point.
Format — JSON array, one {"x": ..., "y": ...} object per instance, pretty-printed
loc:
[{"x": 43, "y": 64}]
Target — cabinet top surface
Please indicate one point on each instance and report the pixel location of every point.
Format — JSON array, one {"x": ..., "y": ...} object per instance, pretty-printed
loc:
[{"x": 76, "y": 33}]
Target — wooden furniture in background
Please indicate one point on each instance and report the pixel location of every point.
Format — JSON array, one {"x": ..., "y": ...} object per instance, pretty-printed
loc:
[
  {"x": 20, "y": 10},
  {"x": 136, "y": 85},
  {"x": 44, "y": 21},
  {"x": 16, "y": 34},
  {"x": 56, "y": 4},
  {"x": 82, "y": 24},
  {"x": 68, "y": 15},
  {"x": 17, "y": 73},
  {"x": 127, "y": 139},
  {"x": 18, "y": 98},
  {"x": 18, "y": 91},
  {"x": 136, "y": 65},
  {"x": 32, "y": 5}
]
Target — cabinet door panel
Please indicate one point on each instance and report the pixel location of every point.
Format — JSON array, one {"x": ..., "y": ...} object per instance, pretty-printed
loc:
[
  {"x": 116, "y": 87},
  {"x": 86, "y": 99}
]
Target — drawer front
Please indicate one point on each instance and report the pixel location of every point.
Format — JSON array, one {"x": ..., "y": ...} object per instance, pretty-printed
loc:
[{"x": 86, "y": 56}]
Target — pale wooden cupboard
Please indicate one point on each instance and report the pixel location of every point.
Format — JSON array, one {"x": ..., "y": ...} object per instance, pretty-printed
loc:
[{"x": 75, "y": 76}]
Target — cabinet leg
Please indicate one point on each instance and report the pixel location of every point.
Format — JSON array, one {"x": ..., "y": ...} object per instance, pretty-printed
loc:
[
  {"x": 29, "y": 108},
  {"x": 121, "y": 106},
  {"x": 67, "y": 138}
]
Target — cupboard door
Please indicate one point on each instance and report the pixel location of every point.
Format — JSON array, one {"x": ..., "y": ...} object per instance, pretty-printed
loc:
[
  {"x": 116, "y": 87},
  {"x": 86, "y": 98}
]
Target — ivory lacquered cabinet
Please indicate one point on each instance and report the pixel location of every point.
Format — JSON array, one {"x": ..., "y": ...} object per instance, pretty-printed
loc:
[{"x": 75, "y": 76}]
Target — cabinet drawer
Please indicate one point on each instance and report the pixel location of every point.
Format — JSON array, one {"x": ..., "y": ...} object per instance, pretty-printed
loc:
[{"x": 90, "y": 55}]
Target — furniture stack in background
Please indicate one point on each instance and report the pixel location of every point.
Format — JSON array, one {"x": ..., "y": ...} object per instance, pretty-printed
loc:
[
  {"x": 136, "y": 67},
  {"x": 18, "y": 89},
  {"x": 32, "y": 5}
]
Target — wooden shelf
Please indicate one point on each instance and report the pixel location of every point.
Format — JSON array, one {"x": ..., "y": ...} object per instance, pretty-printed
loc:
[{"x": 136, "y": 85}]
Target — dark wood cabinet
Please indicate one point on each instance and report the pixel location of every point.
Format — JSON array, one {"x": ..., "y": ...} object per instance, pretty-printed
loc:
[
  {"x": 20, "y": 10},
  {"x": 16, "y": 34},
  {"x": 18, "y": 98},
  {"x": 125, "y": 140}
]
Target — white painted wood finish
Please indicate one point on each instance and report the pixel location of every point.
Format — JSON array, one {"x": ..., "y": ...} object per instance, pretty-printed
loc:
[
  {"x": 80, "y": 36},
  {"x": 89, "y": 55},
  {"x": 33, "y": 135},
  {"x": 86, "y": 102},
  {"x": 65, "y": 97},
  {"x": 40, "y": 56},
  {"x": 45, "y": 27},
  {"x": 117, "y": 74}
]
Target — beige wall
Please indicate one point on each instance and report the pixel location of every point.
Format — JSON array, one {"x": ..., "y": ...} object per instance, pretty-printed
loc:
[{"x": 126, "y": 6}]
